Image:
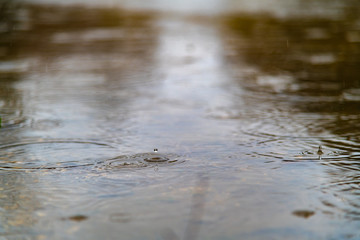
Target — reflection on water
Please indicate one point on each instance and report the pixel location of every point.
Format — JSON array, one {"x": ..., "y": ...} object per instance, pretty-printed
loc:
[
  {"x": 235, "y": 106},
  {"x": 307, "y": 70}
]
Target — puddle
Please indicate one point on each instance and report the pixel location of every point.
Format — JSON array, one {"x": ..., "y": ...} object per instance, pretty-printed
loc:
[{"x": 248, "y": 96}]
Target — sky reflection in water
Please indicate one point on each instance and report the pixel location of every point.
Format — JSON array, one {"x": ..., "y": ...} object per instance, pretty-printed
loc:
[{"x": 237, "y": 105}]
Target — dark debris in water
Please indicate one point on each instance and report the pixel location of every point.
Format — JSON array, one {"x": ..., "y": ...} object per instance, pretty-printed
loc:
[
  {"x": 75, "y": 218},
  {"x": 303, "y": 213}
]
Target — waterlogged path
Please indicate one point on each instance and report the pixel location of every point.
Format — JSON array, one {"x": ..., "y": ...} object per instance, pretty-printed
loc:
[{"x": 139, "y": 125}]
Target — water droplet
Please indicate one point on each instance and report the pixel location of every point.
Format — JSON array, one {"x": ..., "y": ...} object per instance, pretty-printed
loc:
[{"x": 320, "y": 152}]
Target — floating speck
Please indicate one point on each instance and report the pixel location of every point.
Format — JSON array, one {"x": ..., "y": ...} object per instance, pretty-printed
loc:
[
  {"x": 303, "y": 213},
  {"x": 77, "y": 218}
]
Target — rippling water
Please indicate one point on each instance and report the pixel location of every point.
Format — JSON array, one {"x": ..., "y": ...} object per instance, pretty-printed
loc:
[{"x": 231, "y": 121}]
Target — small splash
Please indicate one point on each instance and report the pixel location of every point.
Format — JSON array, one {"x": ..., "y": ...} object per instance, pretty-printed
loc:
[
  {"x": 156, "y": 157},
  {"x": 141, "y": 160},
  {"x": 319, "y": 155},
  {"x": 118, "y": 163}
]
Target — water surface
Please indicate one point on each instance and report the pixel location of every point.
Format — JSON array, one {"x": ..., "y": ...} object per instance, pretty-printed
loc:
[{"x": 235, "y": 99}]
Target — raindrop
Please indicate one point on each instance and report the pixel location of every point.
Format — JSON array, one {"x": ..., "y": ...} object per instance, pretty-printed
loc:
[
  {"x": 155, "y": 157},
  {"x": 320, "y": 152},
  {"x": 140, "y": 160}
]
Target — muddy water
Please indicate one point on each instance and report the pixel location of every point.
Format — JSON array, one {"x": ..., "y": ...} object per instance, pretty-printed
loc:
[{"x": 139, "y": 124}]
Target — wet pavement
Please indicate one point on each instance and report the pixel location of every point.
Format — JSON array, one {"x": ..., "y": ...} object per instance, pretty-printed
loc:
[{"x": 226, "y": 120}]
